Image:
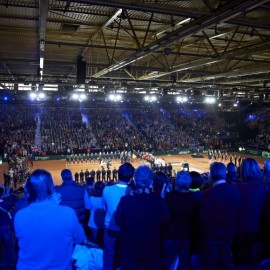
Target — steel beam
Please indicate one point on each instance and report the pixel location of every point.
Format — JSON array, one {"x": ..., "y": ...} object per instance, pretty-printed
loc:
[
  {"x": 105, "y": 24},
  {"x": 172, "y": 11},
  {"x": 225, "y": 13},
  {"x": 207, "y": 61},
  {"x": 43, "y": 15}
]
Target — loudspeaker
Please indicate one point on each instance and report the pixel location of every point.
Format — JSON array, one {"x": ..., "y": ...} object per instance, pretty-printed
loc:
[{"x": 81, "y": 71}]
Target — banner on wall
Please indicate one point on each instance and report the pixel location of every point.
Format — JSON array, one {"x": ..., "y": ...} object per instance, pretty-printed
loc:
[{"x": 266, "y": 154}]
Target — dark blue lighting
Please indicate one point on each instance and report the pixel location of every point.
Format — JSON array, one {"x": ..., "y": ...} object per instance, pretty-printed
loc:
[{"x": 5, "y": 98}]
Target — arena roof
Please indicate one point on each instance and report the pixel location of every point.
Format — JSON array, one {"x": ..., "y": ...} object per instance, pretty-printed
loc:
[{"x": 198, "y": 47}]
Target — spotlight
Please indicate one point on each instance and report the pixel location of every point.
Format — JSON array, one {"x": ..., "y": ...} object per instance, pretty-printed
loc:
[
  {"x": 33, "y": 95},
  {"x": 82, "y": 97},
  {"x": 75, "y": 96},
  {"x": 146, "y": 98},
  {"x": 79, "y": 96},
  {"x": 150, "y": 98},
  {"x": 37, "y": 95},
  {"x": 210, "y": 100},
  {"x": 154, "y": 98},
  {"x": 41, "y": 95},
  {"x": 180, "y": 99},
  {"x": 115, "y": 97}
]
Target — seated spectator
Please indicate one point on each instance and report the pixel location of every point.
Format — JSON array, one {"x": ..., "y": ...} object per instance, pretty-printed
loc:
[
  {"x": 219, "y": 212},
  {"x": 182, "y": 208},
  {"x": 45, "y": 230},
  {"x": 140, "y": 217},
  {"x": 231, "y": 176},
  {"x": 72, "y": 194},
  {"x": 97, "y": 213}
]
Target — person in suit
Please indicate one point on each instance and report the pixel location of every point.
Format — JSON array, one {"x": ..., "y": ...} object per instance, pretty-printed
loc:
[
  {"x": 98, "y": 172},
  {"x": 81, "y": 177},
  {"x": 76, "y": 175},
  {"x": 109, "y": 172},
  {"x": 103, "y": 174},
  {"x": 253, "y": 194},
  {"x": 72, "y": 194},
  {"x": 114, "y": 172},
  {"x": 140, "y": 217},
  {"x": 182, "y": 207},
  {"x": 218, "y": 219}
]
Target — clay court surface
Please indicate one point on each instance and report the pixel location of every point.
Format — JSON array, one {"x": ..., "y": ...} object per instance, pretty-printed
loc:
[{"x": 55, "y": 166}]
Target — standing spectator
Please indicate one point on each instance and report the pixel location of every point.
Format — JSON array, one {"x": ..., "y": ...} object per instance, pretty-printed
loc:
[
  {"x": 141, "y": 217},
  {"x": 46, "y": 231},
  {"x": 95, "y": 205},
  {"x": 111, "y": 198},
  {"x": 161, "y": 184},
  {"x": 265, "y": 234},
  {"x": 253, "y": 193},
  {"x": 182, "y": 208},
  {"x": 231, "y": 176},
  {"x": 219, "y": 212},
  {"x": 6, "y": 225},
  {"x": 266, "y": 172},
  {"x": 72, "y": 194}
]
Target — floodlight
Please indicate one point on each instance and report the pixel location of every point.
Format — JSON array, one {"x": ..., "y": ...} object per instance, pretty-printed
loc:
[
  {"x": 41, "y": 95},
  {"x": 33, "y": 95},
  {"x": 153, "y": 98},
  {"x": 82, "y": 97},
  {"x": 210, "y": 100},
  {"x": 75, "y": 96}
]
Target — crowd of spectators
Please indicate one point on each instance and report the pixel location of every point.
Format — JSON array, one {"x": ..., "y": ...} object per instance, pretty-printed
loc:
[
  {"x": 17, "y": 130},
  {"x": 146, "y": 220},
  {"x": 48, "y": 130},
  {"x": 258, "y": 121}
]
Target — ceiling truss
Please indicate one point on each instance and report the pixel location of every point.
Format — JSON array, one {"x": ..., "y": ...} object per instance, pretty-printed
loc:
[{"x": 209, "y": 44}]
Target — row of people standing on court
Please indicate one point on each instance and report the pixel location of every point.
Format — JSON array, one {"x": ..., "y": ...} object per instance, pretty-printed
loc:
[
  {"x": 124, "y": 155},
  {"x": 111, "y": 175},
  {"x": 98, "y": 175}
]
